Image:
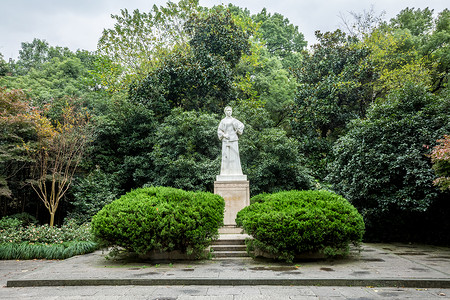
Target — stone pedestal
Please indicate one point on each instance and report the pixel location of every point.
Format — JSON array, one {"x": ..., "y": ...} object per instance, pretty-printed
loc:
[{"x": 236, "y": 195}]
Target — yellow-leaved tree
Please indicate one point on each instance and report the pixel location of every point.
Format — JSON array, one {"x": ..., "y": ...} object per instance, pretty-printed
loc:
[{"x": 60, "y": 149}]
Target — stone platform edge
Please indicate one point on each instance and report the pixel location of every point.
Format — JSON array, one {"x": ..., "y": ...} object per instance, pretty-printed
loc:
[{"x": 379, "y": 282}]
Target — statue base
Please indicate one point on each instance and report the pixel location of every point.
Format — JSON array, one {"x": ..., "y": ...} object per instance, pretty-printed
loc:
[
  {"x": 231, "y": 178},
  {"x": 236, "y": 194}
]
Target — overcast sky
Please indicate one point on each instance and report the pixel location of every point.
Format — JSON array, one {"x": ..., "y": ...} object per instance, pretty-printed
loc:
[{"x": 79, "y": 24}]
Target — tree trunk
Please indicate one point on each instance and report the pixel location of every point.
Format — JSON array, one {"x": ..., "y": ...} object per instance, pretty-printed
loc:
[{"x": 52, "y": 219}]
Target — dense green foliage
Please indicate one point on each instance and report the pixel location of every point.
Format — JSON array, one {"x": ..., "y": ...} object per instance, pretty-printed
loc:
[
  {"x": 21, "y": 240},
  {"x": 184, "y": 81},
  {"x": 90, "y": 194},
  {"x": 271, "y": 159},
  {"x": 334, "y": 88},
  {"x": 285, "y": 224},
  {"x": 185, "y": 154},
  {"x": 382, "y": 166},
  {"x": 161, "y": 219}
]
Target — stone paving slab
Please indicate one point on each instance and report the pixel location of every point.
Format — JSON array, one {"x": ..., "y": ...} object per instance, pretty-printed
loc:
[
  {"x": 219, "y": 293},
  {"x": 375, "y": 265}
]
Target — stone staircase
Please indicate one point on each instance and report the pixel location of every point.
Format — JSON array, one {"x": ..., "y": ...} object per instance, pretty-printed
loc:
[{"x": 230, "y": 246}]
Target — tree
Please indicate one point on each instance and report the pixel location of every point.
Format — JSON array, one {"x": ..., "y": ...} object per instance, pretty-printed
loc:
[
  {"x": 419, "y": 22},
  {"x": 33, "y": 55},
  {"x": 281, "y": 38},
  {"x": 382, "y": 168},
  {"x": 53, "y": 80},
  {"x": 363, "y": 23},
  {"x": 334, "y": 86},
  {"x": 437, "y": 53},
  {"x": 17, "y": 136},
  {"x": 271, "y": 159},
  {"x": 5, "y": 68},
  {"x": 184, "y": 81},
  {"x": 275, "y": 89},
  {"x": 137, "y": 40},
  {"x": 199, "y": 77},
  {"x": 440, "y": 156},
  {"x": 395, "y": 59},
  {"x": 186, "y": 153},
  {"x": 215, "y": 33},
  {"x": 122, "y": 143},
  {"x": 60, "y": 150}
]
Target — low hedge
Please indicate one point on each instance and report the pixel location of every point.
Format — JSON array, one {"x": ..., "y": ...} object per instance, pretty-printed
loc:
[
  {"x": 21, "y": 241},
  {"x": 26, "y": 250},
  {"x": 13, "y": 232},
  {"x": 160, "y": 219},
  {"x": 287, "y": 224}
]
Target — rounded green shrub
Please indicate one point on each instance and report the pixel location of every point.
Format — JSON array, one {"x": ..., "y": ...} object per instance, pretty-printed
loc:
[
  {"x": 161, "y": 219},
  {"x": 286, "y": 224}
]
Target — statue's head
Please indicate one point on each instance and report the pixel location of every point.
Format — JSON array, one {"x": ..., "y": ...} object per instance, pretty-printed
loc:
[{"x": 228, "y": 111}]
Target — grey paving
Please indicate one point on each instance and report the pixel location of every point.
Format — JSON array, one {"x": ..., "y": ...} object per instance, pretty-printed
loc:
[{"x": 378, "y": 271}]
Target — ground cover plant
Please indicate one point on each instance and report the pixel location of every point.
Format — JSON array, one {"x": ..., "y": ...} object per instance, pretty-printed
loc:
[
  {"x": 19, "y": 240},
  {"x": 285, "y": 224},
  {"x": 161, "y": 219}
]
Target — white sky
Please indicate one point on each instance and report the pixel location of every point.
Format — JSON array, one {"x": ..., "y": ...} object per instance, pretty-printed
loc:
[{"x": 79, "y": 24}]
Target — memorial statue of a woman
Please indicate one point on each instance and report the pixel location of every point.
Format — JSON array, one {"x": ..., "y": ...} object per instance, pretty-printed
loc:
[{"x": 228, "y": 132}]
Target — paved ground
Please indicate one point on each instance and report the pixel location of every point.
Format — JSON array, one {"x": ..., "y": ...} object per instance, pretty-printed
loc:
[{"x": 379, "y": 271}]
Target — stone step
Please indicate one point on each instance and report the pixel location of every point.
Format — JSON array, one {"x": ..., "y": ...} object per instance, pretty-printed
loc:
[
  {"x": 230, "y": 229},
  {"x": 228, "y": 242},
  {"x": 231, "y": 247},
  {"x": 231, "y": 239},
  {"x": 229, "y": 254}
]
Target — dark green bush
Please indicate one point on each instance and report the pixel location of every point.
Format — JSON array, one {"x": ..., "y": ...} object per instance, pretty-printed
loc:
[
  {"x": 285, "y": 224},
  {"x": 161, "y": 219}
]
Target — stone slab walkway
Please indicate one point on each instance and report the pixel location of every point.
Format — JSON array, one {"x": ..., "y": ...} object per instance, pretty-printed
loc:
[{"x": 380, "y": 265}]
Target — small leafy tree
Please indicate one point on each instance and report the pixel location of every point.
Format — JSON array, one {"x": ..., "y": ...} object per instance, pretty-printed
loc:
[
  {"x": 59, "y": 152},
  {"x": 441, "y": 162}
]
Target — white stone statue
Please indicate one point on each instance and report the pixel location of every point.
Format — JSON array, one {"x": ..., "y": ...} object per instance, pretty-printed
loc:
[{"x": 229, "y": 131}]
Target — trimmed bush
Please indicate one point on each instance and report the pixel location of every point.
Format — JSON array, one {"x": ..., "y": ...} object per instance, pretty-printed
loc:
[
  {"x": 286, "y": 224},
  {"x": 161, "y": 219}
]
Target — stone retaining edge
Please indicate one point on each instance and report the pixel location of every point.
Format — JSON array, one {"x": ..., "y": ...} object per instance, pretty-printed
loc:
[{"x": 407, "y": 283}]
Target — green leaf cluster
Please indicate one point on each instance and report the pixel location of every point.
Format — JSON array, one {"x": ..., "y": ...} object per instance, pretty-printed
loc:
[
  {"x": 286, "y": 224},
  {"x": 161, "y": 219}
]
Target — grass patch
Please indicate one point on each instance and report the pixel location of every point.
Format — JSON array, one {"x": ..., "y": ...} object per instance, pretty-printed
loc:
[{"x": 26, "y": 250}]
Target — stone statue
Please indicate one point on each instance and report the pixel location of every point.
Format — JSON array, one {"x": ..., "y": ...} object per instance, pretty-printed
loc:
[{"x": 228, "y": 132}]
